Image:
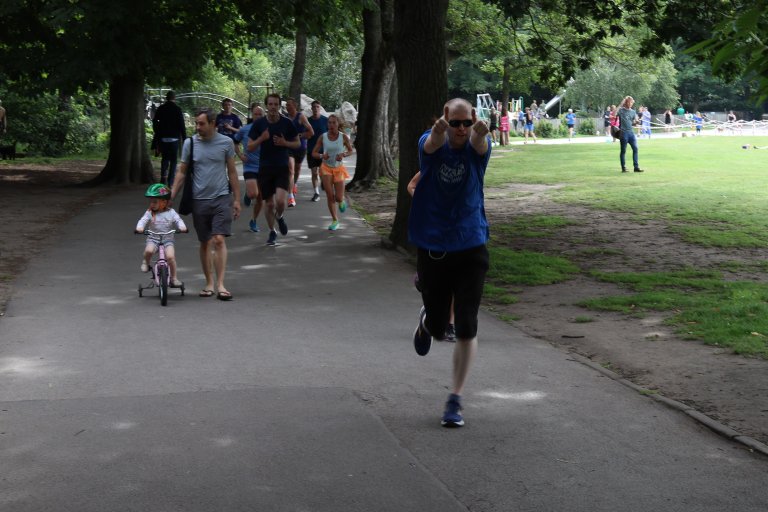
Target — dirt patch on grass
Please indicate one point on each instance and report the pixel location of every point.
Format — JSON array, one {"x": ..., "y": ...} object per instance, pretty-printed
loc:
[{"x": 729, "y": 388}]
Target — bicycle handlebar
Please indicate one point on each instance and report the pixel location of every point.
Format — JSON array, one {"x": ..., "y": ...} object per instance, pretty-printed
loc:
[{"x": 157, "y": 233}]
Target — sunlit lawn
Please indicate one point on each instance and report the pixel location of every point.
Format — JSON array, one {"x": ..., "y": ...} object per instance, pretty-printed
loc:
[{"x": 709, "y": 189}]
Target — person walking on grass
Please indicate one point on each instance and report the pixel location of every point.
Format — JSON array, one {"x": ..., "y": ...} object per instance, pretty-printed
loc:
[
  {"x": 448, "y": 226},
  {"x": 214, "y": 206},
  {"x": 331, "y": 148},
  {"x": 275, "y": 134},
  {"x": 627, "y": 120}
]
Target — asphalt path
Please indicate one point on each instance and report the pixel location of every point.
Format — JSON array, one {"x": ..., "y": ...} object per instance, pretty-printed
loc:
[{"x": 304, "y": 393}]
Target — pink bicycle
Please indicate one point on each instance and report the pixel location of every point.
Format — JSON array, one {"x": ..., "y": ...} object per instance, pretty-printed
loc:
[{"x": 161, "y": 273}]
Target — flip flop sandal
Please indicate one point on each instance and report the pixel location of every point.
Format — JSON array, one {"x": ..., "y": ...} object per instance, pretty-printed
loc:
[
  {"x": 224, "y": 296},
  {"x": 206, "y": 293}
]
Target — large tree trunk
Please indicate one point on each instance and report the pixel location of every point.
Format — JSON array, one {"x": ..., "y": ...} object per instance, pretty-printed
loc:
[
  {"x": 128, "y": 160},
  {"x": 422, "y": 84},
  {"x": 299, "y": 59},
  {"x": 378, "y": 71}
]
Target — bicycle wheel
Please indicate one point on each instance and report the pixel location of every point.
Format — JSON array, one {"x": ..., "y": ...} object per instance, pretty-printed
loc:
[{"x": 163, "y": 276}]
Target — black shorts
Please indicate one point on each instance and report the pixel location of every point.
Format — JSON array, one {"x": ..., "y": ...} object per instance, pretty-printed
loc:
[
  {"x": 212, "y": 217},
  {"x": 272, "y": 177},
  {"x": 298, "y": 156},
  {"x": 249, "y": 175},
  {"x": 313, "y": 162},
  {"x": 453, "y": 275}
]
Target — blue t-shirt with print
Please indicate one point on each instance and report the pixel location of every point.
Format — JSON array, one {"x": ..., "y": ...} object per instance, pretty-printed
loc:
[{"x": 448, "y": 210}]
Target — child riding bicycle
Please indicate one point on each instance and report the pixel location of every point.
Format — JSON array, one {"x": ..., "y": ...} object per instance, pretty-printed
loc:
[{"x": 160, "y": 218}]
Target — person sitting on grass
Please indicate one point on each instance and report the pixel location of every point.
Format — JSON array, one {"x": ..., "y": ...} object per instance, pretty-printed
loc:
[{"x": 160, "y": 219}]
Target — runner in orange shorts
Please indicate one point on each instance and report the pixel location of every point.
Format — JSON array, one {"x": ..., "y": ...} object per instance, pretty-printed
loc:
[{"x": 332, "y": 148}]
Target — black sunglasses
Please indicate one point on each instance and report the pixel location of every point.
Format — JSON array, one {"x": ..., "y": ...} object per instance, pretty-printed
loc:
[{"x": 455, "y": 123}]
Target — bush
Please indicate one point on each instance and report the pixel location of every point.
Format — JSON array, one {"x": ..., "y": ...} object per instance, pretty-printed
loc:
[
  {"x": 544, "y": 129},
  {"x": 51, "y": 125},
  {"x": 586, "y": 126}
]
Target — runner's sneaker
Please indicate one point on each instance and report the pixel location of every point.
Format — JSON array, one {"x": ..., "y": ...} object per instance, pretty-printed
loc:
[
  {"x": 450, "y": 333},
  {"x": 422, "y": 340},
  {"x": 246, "y": 200},
  {"x": 144, "y": 266},
  {"x": 334, "y": 225},
  {"x": 253, "y": 226},
  {"x": 291, "y": 202},
  {"x": 272, "y": 237},
  {"x": 452, "y": 416},
  {"x": 343, "y": 206},
  {"x": 283, "y": 226},
  {"x": 315, "y": 197}
]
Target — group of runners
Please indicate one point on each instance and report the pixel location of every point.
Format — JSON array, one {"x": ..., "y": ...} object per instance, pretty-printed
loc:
[
  {"x": 447, "y": 222},
  {"x": 273, "y": 147}
]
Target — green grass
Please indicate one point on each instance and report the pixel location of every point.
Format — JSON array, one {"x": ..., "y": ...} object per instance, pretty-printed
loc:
[
  {"x": 531, "y": 226},
  {"x": 49, "y": 160},
  {"x": 704, "y": 306},
  {"x": 709, "y": 189},
  {"x": 527, "y": 267}
]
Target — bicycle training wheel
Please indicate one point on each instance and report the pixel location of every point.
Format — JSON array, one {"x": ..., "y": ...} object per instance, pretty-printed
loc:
[{"x": 163, "y": 276}]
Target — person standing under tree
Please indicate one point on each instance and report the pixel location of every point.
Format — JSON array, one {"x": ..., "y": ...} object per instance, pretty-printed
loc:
[
  {"x": 168, "y": 125},
  {"x": 627, "y": 120},
  {"x": 3, "y": 120},
  {"x": 214, "y": 206},
  {"x": 447, "y": 224}
]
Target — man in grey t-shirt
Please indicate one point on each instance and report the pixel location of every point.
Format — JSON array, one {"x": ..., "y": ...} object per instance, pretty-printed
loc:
[{"x": 214, "y": 206}]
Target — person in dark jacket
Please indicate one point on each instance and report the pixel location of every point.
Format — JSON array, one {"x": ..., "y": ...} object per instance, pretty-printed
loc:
[{"x": 169, "y": 128}]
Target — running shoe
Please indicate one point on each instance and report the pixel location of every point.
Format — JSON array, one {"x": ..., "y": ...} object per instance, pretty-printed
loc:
[
  {"x": 253, "y": 226},
  {"x": 422, "y": 340},
  {"x": 246, "y": 200},
  {"x": 334, "y": 225},
  {"x": 291, "y": 202},
  {"x": 272, "y": 240},
  {"x": 450, "y": 333},
  {"x": 343, "y": 206},
  {"x": 144, "y": 266},
  {"x": 452, "y": 416},
  {"x": 315, "y": 197},
  {"x": 283, "y": 226}
]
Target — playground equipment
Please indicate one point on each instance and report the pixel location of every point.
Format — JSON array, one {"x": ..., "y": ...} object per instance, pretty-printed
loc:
[{"x": 484, "y": 105}]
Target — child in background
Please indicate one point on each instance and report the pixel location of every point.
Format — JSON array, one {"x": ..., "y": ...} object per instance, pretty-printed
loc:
[
  {"x": 161, "y": 219},
  {"x": 699, "y": 121}
]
